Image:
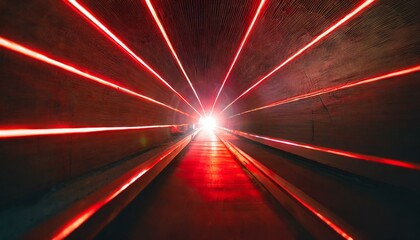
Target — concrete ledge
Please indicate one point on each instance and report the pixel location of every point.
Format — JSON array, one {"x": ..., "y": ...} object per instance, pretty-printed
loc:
[
  {"x": 393, "y": 175},
  {"x": 57, "y": 209},
  {"x": 318, "y": 220}
]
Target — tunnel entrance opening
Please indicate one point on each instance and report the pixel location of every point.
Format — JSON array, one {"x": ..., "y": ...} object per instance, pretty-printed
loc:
[{"x": 208, "y": 123}]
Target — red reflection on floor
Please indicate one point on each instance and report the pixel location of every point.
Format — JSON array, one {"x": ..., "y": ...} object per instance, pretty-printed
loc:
[
  {"x": 210, "y": 168},
  {"x": 203, "y": 194}
]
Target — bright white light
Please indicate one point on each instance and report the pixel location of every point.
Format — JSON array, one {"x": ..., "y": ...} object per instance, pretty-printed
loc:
[{"x": 207, "y": 122}]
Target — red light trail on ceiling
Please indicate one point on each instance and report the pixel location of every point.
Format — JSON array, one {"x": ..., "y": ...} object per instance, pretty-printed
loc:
[
  {"x": 320, "y": 37},
  {"x": 364, "y": 157},
  {"x": 105, "y": 30},
  {"x": 257, "y": 13},
  {"x": 13, "y": 133},
  {"x": 43, "y": 58},
  {"x": 168, "y": 42},
  {"x": 335, "y": 88}
]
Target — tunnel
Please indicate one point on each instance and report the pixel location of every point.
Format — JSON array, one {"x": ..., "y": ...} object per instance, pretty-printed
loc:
[{"x": 210, "y": 119}]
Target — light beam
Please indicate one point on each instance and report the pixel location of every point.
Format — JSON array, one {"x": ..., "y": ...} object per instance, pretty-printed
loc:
[
  {"x": 320, "y": 37},
  {"x": 13, "y": 46},
  {"x": 335, "y": 88},
  {"x": 256, "y": 167},
  {"x": 116, "y": 40},
  {"x": 257, "y": 13},
  {"x": 359, "y": 156},
  {"x": 15, "y": 133},
  {"x": 75, "y": 222},
  {"x": 168, "y": 42}
]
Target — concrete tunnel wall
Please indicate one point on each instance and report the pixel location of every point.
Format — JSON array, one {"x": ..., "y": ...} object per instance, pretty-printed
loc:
[{"x": 379, "y": 119}]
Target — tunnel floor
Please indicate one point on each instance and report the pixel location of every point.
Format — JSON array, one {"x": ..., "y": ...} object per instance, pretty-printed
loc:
[{"x": 203, "y": 194}]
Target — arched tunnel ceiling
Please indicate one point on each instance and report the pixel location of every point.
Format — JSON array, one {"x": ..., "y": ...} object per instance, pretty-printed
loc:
[{"x": 206, "y": 36}]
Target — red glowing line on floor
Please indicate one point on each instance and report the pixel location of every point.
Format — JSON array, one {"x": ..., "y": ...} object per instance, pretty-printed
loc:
[
  {"x": 257, "y": 13},
  {"x": 270, "y": 174},
  {"x": 99, "y": 25},
  {"x": 364, "y": 157},
  {"x": 335, "y": 88},
  {"x": 12, "y": 133},
  {"x": 320, "y": 37},
  {"x": 168, "y": 42},
  {"x": 43, "y": 58},
  {"x": 83, "y": 216}
]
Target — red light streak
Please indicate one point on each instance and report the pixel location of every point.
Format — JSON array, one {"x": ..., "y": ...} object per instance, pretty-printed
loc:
[
  {"x": 320, "y": 37},
  {"x": 12, "y": 133},
  {"x": 43, "y": 58},
  {"x": 270, "y": 174},
  {"x": 335, "y": 88},
  {"x": 364, "y": 157},
  {"x": 257, "y": 13},
  {"x": 99, "y": 25},
  {"x": 332, "y": 225},
  {"x": 168, "y": 42},
  {"x": 84, "y": 215}
]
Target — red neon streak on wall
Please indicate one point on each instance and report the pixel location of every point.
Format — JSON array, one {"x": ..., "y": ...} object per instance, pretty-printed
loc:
[
  {"x": 257, "y": 13},
  {"x": 12, "y": 133},
  {"x": 99, "y": 25},
  {"x": 333, "y": 89},
  {"x": 312, "y": 209},
  {"x": 43, "y": 58},
  {"x": 83, "y": 216},
  {"x": 364, "y": 157},
  {"x": 168, "y": 42},
  {"x": 320, "y": 37}
]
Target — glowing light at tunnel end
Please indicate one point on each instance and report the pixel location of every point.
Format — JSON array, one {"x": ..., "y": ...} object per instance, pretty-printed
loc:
[{"x": 208, "y": 123}]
